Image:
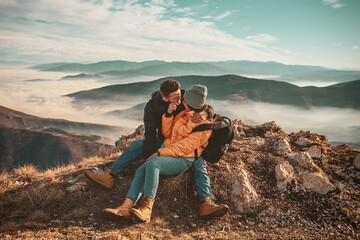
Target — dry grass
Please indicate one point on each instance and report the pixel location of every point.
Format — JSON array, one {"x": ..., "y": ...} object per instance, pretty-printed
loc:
[
  {"x": 39, "y": 196},
  {"x": 39, "y": 216},
  {"x": 173, "y": 186},
  {"x": 27, "y": 173}
]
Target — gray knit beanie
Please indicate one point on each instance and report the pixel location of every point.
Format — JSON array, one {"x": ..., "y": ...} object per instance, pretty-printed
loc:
[{"x": 195, "y": 97}]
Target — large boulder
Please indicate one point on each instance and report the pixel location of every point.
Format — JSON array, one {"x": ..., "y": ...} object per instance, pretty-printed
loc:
[
  {"x": 284, "y": 173},
  {"x": 243, "y": 195},
  {"x": 316, "y": 182}
]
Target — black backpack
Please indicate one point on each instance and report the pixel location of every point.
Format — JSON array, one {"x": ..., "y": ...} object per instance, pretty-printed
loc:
[{"x": 220, "y": 140}]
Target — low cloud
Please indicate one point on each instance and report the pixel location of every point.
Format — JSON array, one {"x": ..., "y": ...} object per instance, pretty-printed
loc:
[{"x": 339, "y": 125}]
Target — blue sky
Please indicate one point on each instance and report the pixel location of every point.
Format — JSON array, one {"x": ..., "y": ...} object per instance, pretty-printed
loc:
[{"x": 308, "y": 32}]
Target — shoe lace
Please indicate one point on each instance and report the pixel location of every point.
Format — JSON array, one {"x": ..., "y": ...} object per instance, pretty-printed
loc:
[{"x": 211, "y": 203}]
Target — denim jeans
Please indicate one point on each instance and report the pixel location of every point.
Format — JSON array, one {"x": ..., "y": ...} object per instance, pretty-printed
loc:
[
  {"x": 202, "y": 180},
  {"x": 130, "y": 154},
  {"x": 146, "y": 178}
]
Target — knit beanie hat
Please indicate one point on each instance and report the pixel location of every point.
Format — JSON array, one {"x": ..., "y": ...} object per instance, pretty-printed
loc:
[{"x": 195, "y": 97}]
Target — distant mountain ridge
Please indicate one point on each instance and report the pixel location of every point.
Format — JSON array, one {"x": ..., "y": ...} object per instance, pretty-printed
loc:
[
  {"x": 47, "y": 143},
  {"x": 238, "y": 89},
  {"x": 273, "y": 70},
  {"x": 41, "y": 148},
  {"x": 16, "y": 119},
  {"x": 116, "y": 65}
]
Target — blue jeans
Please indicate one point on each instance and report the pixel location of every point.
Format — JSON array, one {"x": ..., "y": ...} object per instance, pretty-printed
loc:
[
  {"x": 146, "y": 178},
  {"x": 202, "y": 180},
  {"x": 130, "y": 154}
]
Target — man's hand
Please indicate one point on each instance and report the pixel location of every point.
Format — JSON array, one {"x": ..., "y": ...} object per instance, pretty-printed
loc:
[
  {"x": 155, "y": 154},
  {"x": 172, "y": 107},
  {"x": 199, "y": 117}
]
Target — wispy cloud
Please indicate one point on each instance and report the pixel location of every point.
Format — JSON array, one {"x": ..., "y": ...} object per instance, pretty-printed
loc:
[
  {"x": 71, "y": 30},
  {"x": 334, "y": 3},
  {"x": 338, "y": 44},
  {"x": 223, "y": 15},
  {"x": 355, "y": 47},
  {"x": 264, "y": 38}
]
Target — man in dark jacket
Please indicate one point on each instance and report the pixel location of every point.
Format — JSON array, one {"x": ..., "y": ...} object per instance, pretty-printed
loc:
[{"x": 169, "y": 95}]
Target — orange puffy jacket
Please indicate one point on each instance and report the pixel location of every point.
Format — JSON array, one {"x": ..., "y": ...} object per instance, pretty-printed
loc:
[{"x": 180, "y": 142}]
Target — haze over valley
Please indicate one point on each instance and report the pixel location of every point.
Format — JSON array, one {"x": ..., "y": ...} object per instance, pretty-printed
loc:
[{"x": 83, "y": 93}]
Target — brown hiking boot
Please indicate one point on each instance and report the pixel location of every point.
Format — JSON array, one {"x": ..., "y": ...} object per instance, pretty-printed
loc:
[
  {"x": 143, "y": 213},
  {"x": 105, "y": 180},
  {"x": 208, "y": 209},
  {"x": 120, "y": 212}
]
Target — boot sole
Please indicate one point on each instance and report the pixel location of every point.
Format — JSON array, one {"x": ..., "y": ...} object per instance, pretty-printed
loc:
[
  {"x": 136, "y": 218},
  {"x": 113, "y": 217},
  {"x": 219, "y": 213},
  {"x": 93, "y": 181}
]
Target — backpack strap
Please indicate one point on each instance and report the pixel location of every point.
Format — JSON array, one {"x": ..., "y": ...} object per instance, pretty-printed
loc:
[{"x": 212, "y": 126}]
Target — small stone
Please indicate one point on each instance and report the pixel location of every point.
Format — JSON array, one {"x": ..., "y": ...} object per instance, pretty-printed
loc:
[
  {"x": 304, "y": 160},
  {"x": 175, "y": 199},
  {"x": 251, "y": 160},
  {"x": 282, "y": 147},
  {"x": 175, "y": 216},
  {"x": 357, "y": 161},
  {"x": 314, "y": 151},
  {"x": 304, "y": 142},
  {"x": 19, "y": 183}
]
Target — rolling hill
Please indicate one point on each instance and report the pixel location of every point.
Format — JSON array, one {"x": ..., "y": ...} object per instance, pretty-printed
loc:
[
  {"x": 45, "y": 148},
  {"x": 14, "y": 119},
  {"x": 272, "y": 70},
  {"x": 238, "y": 89},
  {"x": 173, "y": 68},
  {"x": 47, "y": 143},
  {"x": 94, "y": 67}
]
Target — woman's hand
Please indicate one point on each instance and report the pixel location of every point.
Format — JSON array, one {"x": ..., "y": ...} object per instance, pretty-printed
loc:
[
  {"x": 155, "y": 154},
  {"x": 199, "y": 117}
]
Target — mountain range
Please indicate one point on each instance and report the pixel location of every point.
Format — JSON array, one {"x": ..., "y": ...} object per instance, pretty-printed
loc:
[
  {"x": 47, "y": 143},
  {"x": 16, "y": 119},
  {"x": 238, "y": 89},
  {"x": 272, "y": 70}
]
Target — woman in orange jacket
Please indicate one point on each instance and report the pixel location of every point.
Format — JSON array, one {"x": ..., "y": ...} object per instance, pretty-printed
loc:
[{"x": 174, "y": 157}]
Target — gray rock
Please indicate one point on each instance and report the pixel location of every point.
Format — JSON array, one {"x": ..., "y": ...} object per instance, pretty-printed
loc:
[
  {"x": 243, "y": 194},
  {"x": 357, "y": 161},
  {"x": 284, "y": 173},
  {"x": 304, "y": 142},
  {"x": 316, "y": 182},
  {"x": 282, "y": 146},
  {"x": 314, "y": 151},
  {"x": 304, "y": 160}
]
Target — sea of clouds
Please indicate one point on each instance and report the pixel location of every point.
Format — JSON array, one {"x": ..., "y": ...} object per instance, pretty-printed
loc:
[{"x": 42, "y": 94}]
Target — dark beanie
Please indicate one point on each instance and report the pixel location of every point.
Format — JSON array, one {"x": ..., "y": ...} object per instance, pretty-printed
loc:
[{"x": 195, "y": 97}]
